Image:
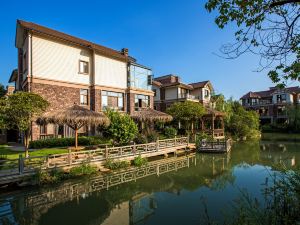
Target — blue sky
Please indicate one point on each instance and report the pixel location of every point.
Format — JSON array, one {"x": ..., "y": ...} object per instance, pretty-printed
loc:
[{"x": 170, "y": 36}]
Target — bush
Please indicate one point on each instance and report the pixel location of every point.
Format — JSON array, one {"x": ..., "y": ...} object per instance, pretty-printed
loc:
[
  {"x": 84, "y": 169},
  {"x": 140, "y": 139},
  {"x": 152, "y": 136},
  {"x": 122, "y": 128},
  {"x": 50, "y": 177},
  {"x": 116, "y": 164},
  {"x": 170, "y": 132},
  {"x": 139, "y": 161},
  {"x": 65, "y": 142}
]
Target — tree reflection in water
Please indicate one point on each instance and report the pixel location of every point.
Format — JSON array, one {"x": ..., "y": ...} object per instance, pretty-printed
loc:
[{"x": 155, "y": 199}]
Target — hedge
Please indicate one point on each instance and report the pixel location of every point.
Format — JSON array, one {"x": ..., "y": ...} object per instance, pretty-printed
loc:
[{"x": 65, "y": 142}]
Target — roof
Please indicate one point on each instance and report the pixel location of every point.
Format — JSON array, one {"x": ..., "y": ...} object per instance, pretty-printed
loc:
[
  {"x": 178, "y": 84},
  {"x": 156, "y": 83},
  {"x": 151, "y": 115},
  {"x": 14, "y": 75},
  {"x": 35, "y": 28},
  {"x": 200, "y": 84},
  {"x": 212, "y": 112},
  {"x": 269, "y": 93}
]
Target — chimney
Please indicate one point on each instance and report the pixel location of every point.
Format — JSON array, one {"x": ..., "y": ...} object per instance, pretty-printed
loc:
[{"x": 124, "y": 51}]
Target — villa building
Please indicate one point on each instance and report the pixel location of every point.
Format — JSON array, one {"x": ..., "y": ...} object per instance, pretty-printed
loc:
[
  {"x": 271, "y": 104},
  {"x": 169, "y": 89},
  {"x": 67, "y": 70}
]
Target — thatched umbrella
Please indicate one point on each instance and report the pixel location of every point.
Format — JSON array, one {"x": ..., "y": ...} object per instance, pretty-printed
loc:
[
  {"x": 75, "y": 117},
  {"x": 151, "y": 115}
]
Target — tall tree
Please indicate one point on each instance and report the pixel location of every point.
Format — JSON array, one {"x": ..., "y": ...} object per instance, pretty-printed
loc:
[
  {"x": 187, "y": 113},
  {"x": 19, "y": 110},
  {"x": 268, "y": 28}
]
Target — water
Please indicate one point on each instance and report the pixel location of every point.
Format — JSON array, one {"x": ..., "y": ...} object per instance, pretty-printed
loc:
[{"x": 177, "y": 197}]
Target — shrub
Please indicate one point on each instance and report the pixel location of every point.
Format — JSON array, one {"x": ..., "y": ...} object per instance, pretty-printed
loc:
[
  {"x": 139, "y": 161},
  {"x": 170, "y": 132},
  {"x": 84, "y": 169},
  {"x": 49, "y": 177},
  {"x": 122, "y": 128},
  {"x": 116, "y": 164},
  {"x": 140, "y": 139},
  {"x": 64, "y": 142},
  {"x": 152, "y": 136}
]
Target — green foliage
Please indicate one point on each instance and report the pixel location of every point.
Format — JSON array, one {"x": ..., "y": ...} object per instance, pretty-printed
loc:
[
  {"x": 152, "y": 136},
  {"x": 139, "y": 161},
  {"x": 264, "y": 27},
  {"x": 116, "y": 164},
  {"x": 293, "y": 113},
  {"x": 2, "y": 91},
  {"x": 186, "y": 112},
  {"x": 65, "y": 142},
  {"x": 49, "y": 177},
  {"x": 170, "y": 132},
  {"x": 122, "y": 128},
  {"x": 84, "y": 169},
  {"x": 20, "y": 108},
  {"x": 140, "y": 139},
  {"x": 240, "y": 122}
]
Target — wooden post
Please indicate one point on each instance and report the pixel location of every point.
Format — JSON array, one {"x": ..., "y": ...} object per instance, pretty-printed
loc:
[
  {"x": 76, "y": 138},
  {"x": 157, "y": 170},
  {"x": 70, "y": 157},
  {"x": 175, "y": 141},
  {"x": 134, "y": 149},
  {"x": 21, "y": 164},
  {"x": 106, "y": 152},
  {"x": 157, "y": 145},
  {"x": 213, "y": 126}
]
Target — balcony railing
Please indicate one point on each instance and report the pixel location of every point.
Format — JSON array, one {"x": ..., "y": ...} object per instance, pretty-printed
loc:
[{"x": 186, "y": 96}]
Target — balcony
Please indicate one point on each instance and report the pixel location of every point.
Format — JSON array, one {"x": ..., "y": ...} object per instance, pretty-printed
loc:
[{"x": 187, "y": 96}]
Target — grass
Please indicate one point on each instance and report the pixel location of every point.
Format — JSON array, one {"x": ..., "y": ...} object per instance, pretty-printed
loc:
[
  {"x": 280, "y": 137},
  {"x": 6, "y": 151}
]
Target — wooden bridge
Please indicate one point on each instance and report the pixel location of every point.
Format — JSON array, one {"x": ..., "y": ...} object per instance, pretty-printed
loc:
[{"x": 15, "y": 170}]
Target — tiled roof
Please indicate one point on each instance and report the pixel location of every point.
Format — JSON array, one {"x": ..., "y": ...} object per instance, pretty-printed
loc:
[
  {"x": 199, "y": 84},
  {"x": 57, "y": 34},
  {"x": 268, "y": 93}
]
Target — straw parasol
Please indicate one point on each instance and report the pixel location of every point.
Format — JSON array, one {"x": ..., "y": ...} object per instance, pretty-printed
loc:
[
  {"x": 151, "y": 115},
  {"x": 75, "y": 117}
]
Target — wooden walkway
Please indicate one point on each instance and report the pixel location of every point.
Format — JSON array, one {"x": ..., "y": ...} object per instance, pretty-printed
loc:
[{"x": 14, "y": 170}]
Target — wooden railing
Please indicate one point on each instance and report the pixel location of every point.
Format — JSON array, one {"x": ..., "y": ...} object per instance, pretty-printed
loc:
[
  {"x": 70, "y": 191},
  {"x": 215, "y": 145},
  {"x": 28, "y": 165}
]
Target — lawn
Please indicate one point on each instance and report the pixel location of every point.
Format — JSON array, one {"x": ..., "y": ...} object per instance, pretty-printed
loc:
[
  {"x": 6, "y": 151},
  {"x": 280, "y": 137}
]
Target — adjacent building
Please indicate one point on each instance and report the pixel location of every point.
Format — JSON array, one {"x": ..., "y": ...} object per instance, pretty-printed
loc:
[
  {"x": 169, "y": 89},
  {"x": 271, "y": 104},
  {"x": 67, "y": 70}
]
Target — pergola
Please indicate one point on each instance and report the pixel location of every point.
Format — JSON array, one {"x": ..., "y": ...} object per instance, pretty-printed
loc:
[{"x": 215, "y": 121}]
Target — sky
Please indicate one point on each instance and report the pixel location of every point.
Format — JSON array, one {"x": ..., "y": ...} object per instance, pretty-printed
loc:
[{"x": 170, "y": 36}]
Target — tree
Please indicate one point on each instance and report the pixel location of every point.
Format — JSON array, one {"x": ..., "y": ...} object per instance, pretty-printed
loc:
[
  {"x": 240, "y": 122},
  {"x": 122, "y": 128},
  {"x": 268, "y": 28},
  {"x": 186, "y": 113},
  {"x": 19, "y": 110},
  {"x": 2, "y": 90},
  {"x": 293, "y": 113}
]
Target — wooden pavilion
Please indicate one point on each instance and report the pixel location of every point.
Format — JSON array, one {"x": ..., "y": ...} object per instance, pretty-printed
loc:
[{"x": 212, "y": 123}]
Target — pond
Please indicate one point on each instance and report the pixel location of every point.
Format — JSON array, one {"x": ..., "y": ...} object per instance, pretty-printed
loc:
[{"x": 180, "y": 196}]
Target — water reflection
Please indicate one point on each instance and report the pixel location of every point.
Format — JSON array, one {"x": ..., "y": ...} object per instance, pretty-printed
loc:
[{"x": 171, "y": 198}]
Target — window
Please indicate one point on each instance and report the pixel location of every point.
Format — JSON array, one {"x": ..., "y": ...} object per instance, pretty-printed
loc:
[
  {"x": 141, "y": 101},
  {"x": 281, "y": 98},
  {"x": 112, "y": 100},
  {"x": 140, "y": 77},
  {"x": 83, "y": 67},
  {"x": 84, "y": 96},
  {"x": 25, "y": 66},
  {"x": 154, "y": 92},
  {"x": 206, "y": 93}
]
